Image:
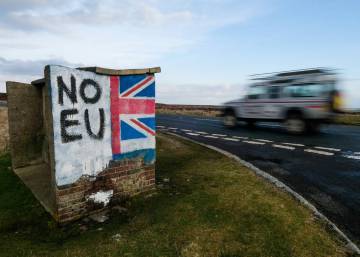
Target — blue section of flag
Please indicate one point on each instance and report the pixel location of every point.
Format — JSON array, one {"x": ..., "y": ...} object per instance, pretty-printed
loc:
[
  {"x": 149, "y": 91},
  {"x": 150, "y": 122},
  {"x": 128, "y": 132},
  {"x": 147, "y": 154},
  {"x": 127, "y": 82}
]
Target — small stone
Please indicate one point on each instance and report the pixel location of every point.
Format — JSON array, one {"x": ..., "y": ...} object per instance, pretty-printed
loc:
[
  {"x": 83, "y": 228},
  {"x": 99, "y": 217},
  {"x": 150, "y": 195},
  {"x": 117, "y": 237},
  {"x": 120, "y": 209},
  {"x": 166, "y": 180}
]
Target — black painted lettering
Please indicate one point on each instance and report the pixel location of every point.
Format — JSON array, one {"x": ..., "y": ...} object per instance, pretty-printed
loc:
[
  {"x": 71, "y": 93},
  {"x": 65, "y": 123},
  {"x": 100, "y": 134},
  {"x": 93, "y": 99}
]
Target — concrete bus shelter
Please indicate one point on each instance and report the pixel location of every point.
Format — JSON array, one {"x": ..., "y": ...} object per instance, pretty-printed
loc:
[{"x": 83, "y": 139}]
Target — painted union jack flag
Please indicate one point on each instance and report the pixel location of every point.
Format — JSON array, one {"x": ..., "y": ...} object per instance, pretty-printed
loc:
[{"x": 132, "y": 114}]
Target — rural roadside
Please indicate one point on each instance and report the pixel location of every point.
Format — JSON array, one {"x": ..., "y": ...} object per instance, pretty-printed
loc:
[
  {"x": 345, "y": 118},
  {"x": 212, "y": 205}
]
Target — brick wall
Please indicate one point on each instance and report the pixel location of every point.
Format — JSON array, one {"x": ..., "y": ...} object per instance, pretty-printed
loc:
[{"x": 127, "y": 178}]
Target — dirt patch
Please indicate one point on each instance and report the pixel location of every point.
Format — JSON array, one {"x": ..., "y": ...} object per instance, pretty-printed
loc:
[{"x": 4, "y": 130}]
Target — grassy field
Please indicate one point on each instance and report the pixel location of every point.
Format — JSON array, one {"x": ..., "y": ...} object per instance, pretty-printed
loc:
[{"x": 205, "y": 205}]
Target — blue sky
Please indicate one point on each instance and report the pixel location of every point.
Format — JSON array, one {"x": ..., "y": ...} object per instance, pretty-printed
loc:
[{"x": 206, "y": 49}]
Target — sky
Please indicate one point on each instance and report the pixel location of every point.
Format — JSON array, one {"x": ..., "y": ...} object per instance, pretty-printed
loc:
[{"x": 206, "y": 48}]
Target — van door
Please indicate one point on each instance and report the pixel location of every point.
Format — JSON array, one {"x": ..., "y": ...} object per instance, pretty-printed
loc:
[
  {"x": 272, "y": 106},
  {"x": 253, "y": 106}
]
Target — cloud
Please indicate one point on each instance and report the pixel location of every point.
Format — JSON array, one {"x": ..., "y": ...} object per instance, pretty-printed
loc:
[
  {"x": 55, "y": 15},
  {"x": 58, "y": 15},
  {"x": 29, "y": 67},
  {"x": 351, "y": 93},
  {"x": 197, "y": 93},
  {"x": 114, "y": 34},
  {"x": 26, "y": 70}
]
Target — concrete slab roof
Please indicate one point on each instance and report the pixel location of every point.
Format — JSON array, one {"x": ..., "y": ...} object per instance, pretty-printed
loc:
[{"x": 109, "y": 72}]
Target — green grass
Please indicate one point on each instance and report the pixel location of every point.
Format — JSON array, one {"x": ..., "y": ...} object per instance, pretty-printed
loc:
[{"x": 211, "y": 206}]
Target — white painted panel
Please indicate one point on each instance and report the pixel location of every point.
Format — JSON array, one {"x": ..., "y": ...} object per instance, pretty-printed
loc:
[{"x": 88, "y": 155}]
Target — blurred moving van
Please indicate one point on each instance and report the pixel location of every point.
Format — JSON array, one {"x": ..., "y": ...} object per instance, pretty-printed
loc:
[{"x": 302, "y": 100}]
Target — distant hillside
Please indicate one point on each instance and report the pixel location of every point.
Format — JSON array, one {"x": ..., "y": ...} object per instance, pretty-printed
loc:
[{"x": 187, "y": 107}]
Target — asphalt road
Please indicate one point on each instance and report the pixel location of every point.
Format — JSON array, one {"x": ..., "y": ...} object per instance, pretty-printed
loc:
[{"x": 324, "y": 168}]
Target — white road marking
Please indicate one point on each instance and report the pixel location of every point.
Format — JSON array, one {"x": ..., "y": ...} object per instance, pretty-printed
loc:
[
  {"x": 355, "y": 157},
  {"x": 318, "y": 152},
  {"x": 293, "y": 144},
  {"x": 201, "y": 132},
  {"x": 219, "y": 135},
  {"x": 284, "y": 147},
  {"x": 172, "y": 128},
  {"x": 210, "y": 136},
  {"x": 231, "y": 139},
  {"x": 356, "y": 153},
  {"x": 253, "y": 142},
  {"x": 160, "y": 126},
  {"x": 263, "y": 140},
  {"x": 327, "y": 148},
  {"x": 193, "y": 134},
  {"x": 186, "y": 130},
  {"x": 240, "y": 137}
]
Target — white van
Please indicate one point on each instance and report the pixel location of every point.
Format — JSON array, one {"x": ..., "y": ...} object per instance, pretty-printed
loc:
[{"x": 301, "y": 99}]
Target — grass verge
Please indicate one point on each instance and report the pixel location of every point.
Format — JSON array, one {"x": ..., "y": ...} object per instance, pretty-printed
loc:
[
  {"x": 348, "y": 119},
  {"x": 205, "y": 205}
]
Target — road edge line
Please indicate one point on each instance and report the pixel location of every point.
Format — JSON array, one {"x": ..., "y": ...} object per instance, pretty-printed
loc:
[{"x": 350, "y": 245}]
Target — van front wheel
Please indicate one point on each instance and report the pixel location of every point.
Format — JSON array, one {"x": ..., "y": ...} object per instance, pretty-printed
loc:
[
  {"x": 294, "y": 124},
  {"x": 229, "y": 119}
]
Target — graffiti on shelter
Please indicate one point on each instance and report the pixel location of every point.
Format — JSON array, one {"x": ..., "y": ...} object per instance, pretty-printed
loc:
[{"x": 98, "y": 119}]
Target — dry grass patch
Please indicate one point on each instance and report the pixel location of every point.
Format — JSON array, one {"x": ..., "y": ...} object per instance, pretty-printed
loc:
[
  {"x": 191, "y": 112},
  {"x": 348, "y": 119},
  {"x": 4, "y": 130}
]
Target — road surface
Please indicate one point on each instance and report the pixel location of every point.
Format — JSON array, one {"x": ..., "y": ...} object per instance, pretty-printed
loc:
[{"x": 324, "y": 168}]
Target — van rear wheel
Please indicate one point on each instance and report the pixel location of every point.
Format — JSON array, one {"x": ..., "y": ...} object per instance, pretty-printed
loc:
[{"x": 294, "y": 124}]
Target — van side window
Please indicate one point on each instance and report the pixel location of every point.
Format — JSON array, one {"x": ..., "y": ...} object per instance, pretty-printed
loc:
[
  {"x": 257, "y": 92},
  {"x": 305, "y": 90},
  {"x": 274, "y": 92}
]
